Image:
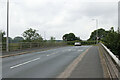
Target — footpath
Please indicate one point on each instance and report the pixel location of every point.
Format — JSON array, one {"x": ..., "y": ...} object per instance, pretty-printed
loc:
[{"x": 90, "y": 66}]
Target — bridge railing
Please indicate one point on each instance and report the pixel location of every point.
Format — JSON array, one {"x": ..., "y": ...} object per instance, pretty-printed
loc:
[
  {"x": 30, "y": 45},
  {"x": 112, "y": 62},
  {"x": 116, "y": 60}
]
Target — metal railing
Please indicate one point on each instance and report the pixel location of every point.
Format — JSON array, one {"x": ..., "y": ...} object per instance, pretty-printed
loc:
[
  {"x": 117, "y": 61},
  {"x": 113, "y": 63},
  {"x": 30, "y": 45}
]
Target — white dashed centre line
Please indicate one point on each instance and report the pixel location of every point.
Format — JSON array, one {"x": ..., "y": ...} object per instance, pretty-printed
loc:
[
  {"x": 24, "y": 63},
  {"x": 80, "y": 50},
  {"x": 51, "y": 54}
]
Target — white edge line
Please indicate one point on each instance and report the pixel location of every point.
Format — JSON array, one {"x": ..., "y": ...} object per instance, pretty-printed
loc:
[{"x": 24, "y": 63}]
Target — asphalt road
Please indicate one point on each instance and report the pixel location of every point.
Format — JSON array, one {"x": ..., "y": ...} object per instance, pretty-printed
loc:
[{"x": 44, "y": 64}]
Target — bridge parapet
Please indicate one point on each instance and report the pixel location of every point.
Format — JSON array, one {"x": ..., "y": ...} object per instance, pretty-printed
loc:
[{"x": 112, "y": 62}]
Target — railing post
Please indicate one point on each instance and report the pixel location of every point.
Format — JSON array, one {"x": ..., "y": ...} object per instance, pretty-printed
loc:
[
  {"x": 30, "y": 45},
  {"x": 21, "y": 46}
]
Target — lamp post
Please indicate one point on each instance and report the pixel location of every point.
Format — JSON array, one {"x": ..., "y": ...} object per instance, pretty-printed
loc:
[
  {"x": 96, "y": 29},
  {"x": 44, "y": 35},
  {"x": 7, "y": 39}
]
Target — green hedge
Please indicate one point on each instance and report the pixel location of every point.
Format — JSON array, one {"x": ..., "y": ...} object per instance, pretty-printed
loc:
[{"x": 82, "y": 42}]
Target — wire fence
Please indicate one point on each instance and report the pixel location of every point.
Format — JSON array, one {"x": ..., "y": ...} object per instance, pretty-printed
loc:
[{"x": 30, "y": 45}]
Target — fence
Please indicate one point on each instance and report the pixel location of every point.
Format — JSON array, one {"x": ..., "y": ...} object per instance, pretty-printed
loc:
[{"x": 28, "y": 45}]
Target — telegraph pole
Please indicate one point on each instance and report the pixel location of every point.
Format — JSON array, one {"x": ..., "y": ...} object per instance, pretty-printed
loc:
[
  {"x": 97, "y": 30},
  {"x": 7, "y": 39},
  {"x": 44, "y": 35}
]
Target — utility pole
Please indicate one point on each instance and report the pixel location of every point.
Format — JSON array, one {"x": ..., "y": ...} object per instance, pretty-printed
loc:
[
  {"x": 44, "y": 35},
  {"x": 97, "y": 30},
  {"x": 7, "y": 39}
]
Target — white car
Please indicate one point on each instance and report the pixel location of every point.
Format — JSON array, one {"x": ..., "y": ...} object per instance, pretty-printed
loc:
[{"x": 77, "y": 44}]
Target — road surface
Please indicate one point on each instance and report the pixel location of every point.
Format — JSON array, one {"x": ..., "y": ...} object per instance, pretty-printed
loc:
[
  {"x": 90, "y": 66},
  {"x": 49, "y": 63}
]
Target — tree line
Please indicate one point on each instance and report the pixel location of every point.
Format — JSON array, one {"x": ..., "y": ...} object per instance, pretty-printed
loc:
[
  {"x": 29, "y": 35},
  {"x": 71, "y": 37},
  {"x": 110, "y": 38}
]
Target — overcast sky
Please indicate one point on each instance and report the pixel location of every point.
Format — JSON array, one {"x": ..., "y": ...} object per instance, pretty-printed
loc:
[{"x": 58, "y": 17}]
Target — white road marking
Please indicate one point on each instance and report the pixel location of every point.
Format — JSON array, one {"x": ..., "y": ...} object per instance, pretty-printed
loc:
[
  {"x": 24, "y": 63},
  {"x": 86, "y": 46},
  {"x": 80, "y": 50},
  {"x": 47, "y": 55},
  {"x": 69, "y": 49},
  {"x": 64, "y": 50},
  {"x": 51, "y": 54}
]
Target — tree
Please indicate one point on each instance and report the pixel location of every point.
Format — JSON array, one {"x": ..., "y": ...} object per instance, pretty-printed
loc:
[
  {"x": 52, "y": 39},
  {"x": 78, "y": 39},
  {"x": 112, "y": 41},
  {"x": 110, "y": 38},
  {"x": 70, "y": 37},
  {"x": 18, "y": 39},
  {"x": 31, "y": 35},
  {"x": 65, "y": 37},
  {"x": 2, "y": 34},
  {"x": 101, "y": 34}
]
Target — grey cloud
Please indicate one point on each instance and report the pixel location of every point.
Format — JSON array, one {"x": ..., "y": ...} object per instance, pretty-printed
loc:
[{"x": 57, "y": 17}]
